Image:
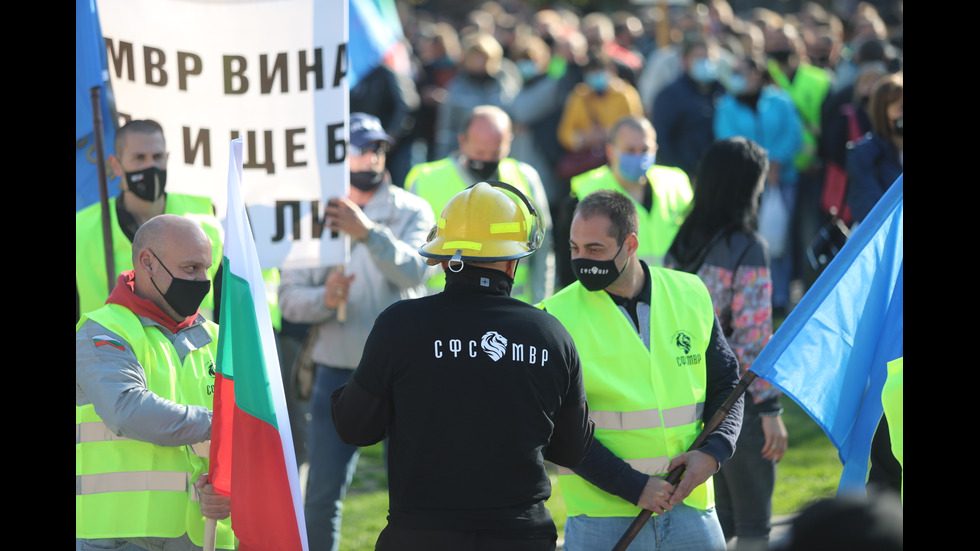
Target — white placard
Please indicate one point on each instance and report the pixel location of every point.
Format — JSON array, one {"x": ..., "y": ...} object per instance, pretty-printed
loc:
[{"x": 271, "y": 71}]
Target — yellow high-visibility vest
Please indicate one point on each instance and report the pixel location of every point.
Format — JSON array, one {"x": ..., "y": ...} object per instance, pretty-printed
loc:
[
  {"x": 672, "y": 196},
  {"x": 127, "y": 488},
  {"x": 647, "y": 404},
  {"x": 90, "y": 276}
]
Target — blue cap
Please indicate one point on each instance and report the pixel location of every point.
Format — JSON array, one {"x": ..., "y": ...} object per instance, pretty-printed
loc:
[{"x": 365, "y": 129}]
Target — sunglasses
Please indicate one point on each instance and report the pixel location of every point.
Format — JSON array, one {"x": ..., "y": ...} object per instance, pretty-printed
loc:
[{"x": 378, "y": 148}]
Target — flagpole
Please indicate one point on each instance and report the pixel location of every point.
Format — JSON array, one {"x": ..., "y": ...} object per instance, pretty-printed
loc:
[
  {"x": 110, "y": 261},
  {"x": 342, "y": 307},
  {"x": 210, "y": 532},
  {"x": 674, "y": 476}
]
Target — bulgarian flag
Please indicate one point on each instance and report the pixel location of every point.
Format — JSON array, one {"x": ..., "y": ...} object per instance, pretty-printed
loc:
[{"x": 252, "y": 456}]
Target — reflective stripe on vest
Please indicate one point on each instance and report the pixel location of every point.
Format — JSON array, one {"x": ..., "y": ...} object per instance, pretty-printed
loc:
[
  {"x": 131, "y": 488},
  {"x": 97, "y": 431},
  {"x": 437, "y": 182},
  {"x": 647, "y": 419},
  {"x": 143, "y": 481},
  {"x": 648, "y": 404},
  {"x": 672, "y": 195}
]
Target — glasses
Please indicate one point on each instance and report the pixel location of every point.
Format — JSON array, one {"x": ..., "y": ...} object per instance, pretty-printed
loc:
[{"x": 378, "y": 148}]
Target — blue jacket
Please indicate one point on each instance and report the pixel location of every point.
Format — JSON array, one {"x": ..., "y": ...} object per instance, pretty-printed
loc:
[
  {"x": 872, "y": 167},
  {"x": 774, "y": 124},
  {"x": 682, "y": 117}
]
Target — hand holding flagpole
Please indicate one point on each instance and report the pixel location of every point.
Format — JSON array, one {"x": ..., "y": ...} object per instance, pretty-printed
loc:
[
  {"x": 674, "y": 476},
  {"x": 337, "y": 290}
]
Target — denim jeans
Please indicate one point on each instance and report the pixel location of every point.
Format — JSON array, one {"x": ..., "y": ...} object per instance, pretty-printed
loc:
[
  {"x": 182, "y": 543},
  {"x": 332, "y": 464},
  {"x": 682, "y": 529},
  {"x": 107, "y": 544},
  {"x": 744, "y": 485}
]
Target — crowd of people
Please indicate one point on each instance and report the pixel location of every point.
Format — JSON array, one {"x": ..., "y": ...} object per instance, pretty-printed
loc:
[{"x": 659, "y": 170}]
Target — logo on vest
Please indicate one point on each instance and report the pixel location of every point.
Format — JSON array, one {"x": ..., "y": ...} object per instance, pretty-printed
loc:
[
  {"x": 494, "y": 345},
  {"x": 211, "y": 369},
  {"x": 682, "y": 340}
]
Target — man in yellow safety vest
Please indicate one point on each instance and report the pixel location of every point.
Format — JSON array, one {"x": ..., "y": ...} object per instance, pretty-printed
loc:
[
  {"x": 144, "y": 380},
  {"x": 655, "y": 364}
]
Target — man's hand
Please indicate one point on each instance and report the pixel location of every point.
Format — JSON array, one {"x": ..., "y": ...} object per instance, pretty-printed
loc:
[
  {"x": 338, "y": 289},
  {"x": 699, "y": 467},
  {"x": 344, "y": 215},
  {"x": 656, "y": 495},
  {"x": 776, "y": 437},
  {"x": 213, "y": 504}
]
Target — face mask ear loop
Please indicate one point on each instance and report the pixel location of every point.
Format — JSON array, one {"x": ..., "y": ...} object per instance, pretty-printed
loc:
[{"x": 457, "y": 258}]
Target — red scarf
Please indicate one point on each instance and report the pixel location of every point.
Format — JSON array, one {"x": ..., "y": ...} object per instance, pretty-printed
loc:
[{"x": 125, "y": 295}]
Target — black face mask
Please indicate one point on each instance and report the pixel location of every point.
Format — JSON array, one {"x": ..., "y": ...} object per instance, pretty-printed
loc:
[
  {"x": 184, "y": 295},
  {"x": 147, "y": 184},
  {"x": 780, "y": 56},
  {"x": 482, "y": 170},
  {"x": 596, "y": 275},
  {"x": 366, "y": 181}
]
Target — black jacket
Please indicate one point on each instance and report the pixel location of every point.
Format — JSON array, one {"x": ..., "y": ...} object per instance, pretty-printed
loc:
[{"x": 474, "y": 390}]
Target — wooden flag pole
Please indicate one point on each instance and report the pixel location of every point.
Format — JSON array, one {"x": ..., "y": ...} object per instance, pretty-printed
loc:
[
  {"x": 342, "y": 307},
  {"x": 110, "y": 261},
  {"x": 210, "y": 532},
  {"x": 674, "y": 476}
]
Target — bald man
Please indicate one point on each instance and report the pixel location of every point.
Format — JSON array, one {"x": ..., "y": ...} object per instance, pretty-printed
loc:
[
  {"x": 484, "y": 146},
  {"x": 144, "y": 379}
]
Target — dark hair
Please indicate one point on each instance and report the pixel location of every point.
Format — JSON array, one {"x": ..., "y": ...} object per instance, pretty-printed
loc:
[
  {"x": 848, "y": 523},
  {"x": 887, "y": 90},
  {"x": 726, "y": 195},
  {"x": 615, "y": 206},
  {"x": 137, "y": 125},
  {"x": 598, "y": 60}
]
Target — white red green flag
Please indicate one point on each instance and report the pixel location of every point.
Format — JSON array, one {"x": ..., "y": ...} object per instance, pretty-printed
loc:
[{"x": 252, "y": 456}]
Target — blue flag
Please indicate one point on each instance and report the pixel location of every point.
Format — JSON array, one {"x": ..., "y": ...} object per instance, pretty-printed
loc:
[
  {"x": 374, "y": 33},
  {"x": 91, "y": 70},
  {"x": 830, "y": 354}
]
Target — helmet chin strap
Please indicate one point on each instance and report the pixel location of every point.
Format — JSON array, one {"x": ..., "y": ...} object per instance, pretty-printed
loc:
[{"x": 457, "y": 258}]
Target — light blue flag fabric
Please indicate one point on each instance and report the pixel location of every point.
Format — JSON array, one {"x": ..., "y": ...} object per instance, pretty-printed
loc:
[
  {"x": 830, "y": 354},
  {"x": 373, "y": 32},
  {"x": 91, "y": 70}
]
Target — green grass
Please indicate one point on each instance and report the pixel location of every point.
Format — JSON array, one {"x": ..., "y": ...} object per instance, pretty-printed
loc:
[{"x": 809, "y": 470}]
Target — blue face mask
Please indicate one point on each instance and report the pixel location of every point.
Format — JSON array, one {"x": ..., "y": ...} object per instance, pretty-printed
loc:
[
  {"x": 634, "y": 166},
  {"x": 736, "y": 84},
  {"x": 597, "y": 81},
  {"x": 527, "y": 68},
  {"x": 704, "y": 70}
]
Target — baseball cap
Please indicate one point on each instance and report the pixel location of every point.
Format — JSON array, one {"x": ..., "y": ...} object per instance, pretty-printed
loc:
[{"x": 365, "y": 129}]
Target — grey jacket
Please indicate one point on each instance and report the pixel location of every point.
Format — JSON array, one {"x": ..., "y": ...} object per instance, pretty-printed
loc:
[
  {"x": 387, "y": 268},
  {"x": 114, "y": 382}
]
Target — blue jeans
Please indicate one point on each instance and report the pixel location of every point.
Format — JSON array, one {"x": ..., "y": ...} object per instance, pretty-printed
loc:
[
  {"x": 744, "y": 485},
  {"x": 107, "y": 544},
  {"x": 332, "y": 464},
  {"x": 682, "y": 529}
]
